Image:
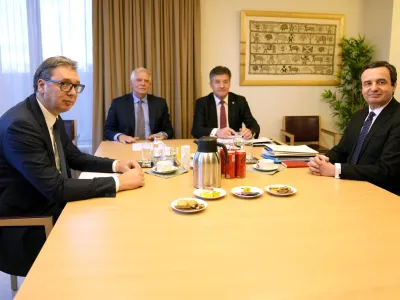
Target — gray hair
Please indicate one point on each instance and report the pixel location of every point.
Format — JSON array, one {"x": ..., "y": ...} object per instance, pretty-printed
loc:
[
  {"x": 45, "y": 70},
  {"x": 137, "y": 71}
]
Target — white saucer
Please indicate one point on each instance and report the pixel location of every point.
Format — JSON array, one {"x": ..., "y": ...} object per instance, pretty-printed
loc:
[
  {"x": 270, "y": 191},
  {"x": 222, "y": 193},
  {"x": 238, "y": 190},
  {"x": 275, "y": 167},
  {"x": 154, "y": 169},
  {"x": 189, "y": 211}
]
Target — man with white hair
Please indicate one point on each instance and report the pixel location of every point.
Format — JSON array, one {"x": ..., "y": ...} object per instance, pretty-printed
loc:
[{"x": 138, "y": 115}]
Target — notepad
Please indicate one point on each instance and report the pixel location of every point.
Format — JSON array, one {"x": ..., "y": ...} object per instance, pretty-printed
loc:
[{"x": 291, "y": 149}]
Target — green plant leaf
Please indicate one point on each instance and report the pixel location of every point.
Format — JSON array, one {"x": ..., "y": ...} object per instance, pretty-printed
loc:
[{"x": 348, "y": 99}]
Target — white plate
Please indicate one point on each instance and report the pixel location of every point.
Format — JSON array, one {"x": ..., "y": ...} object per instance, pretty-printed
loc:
[
  {"x": 275, "y": 167},
  {"x": 221, "y": 194},
  {"x": 154, "y": 169},
  {"x": 294, "y": 190},
  {"x": 237, "y": 190},
  {"x": 188, "y": 211}
]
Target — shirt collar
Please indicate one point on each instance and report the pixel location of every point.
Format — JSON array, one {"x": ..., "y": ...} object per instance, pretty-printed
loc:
[
  {"x": 378, "y": 110},
  {"x": 136, "y": 99},
  {"x": 217, "y": 100},
  {"x": 48, "y": 116}
]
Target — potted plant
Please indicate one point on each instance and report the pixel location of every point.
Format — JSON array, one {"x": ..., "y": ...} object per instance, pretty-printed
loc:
[{"x": 347, "y": 98}]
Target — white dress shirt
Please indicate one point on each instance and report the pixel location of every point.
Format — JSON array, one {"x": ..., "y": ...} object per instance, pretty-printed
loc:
[
  {"x": 218, "y": 105},
  {"x": 50, "y": 120}
]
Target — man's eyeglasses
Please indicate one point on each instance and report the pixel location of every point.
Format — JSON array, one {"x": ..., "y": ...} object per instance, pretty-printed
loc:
[{"x": 67, "y": 86}]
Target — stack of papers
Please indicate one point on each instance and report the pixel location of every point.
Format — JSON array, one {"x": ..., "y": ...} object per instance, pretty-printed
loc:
[
  {"x": 281, "y": 150},
  {"x": 261, "y": 140},
  {"x": 280, "y": 153}
]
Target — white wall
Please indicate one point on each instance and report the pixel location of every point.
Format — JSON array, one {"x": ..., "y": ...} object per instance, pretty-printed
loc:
[
  {"x": 376, "y": 26},
  {"x": 220, "y": 39},
  {"x": 395, "y": 42}
]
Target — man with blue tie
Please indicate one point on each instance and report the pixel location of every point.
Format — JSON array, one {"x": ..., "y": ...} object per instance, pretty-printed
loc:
[
  {"x": 370, "y": 147},
  {"x": 138, "y": 115}
]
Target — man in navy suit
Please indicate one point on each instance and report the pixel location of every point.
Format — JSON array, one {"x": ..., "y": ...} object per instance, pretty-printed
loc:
[
  {"x": 138, "y": 115},
  {"x": 370, "y": 147},
  {"x": 35, "y": 159},
  {"x": 223, "y": 113}
]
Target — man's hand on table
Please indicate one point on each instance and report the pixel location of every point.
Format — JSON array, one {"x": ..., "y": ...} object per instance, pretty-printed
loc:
[
  {"x": 126, "y": 139},
  {"x": 246, "y": 133},
  {"x": 124, "y": 166},
  {"x": 132, "y": 175},
  {"x": 225, "y": 132},
  {"x": 320, "y": 166}
]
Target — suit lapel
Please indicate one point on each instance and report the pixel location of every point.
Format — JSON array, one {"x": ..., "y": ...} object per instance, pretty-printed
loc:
[
  {"x": 356, "y": 129},
  {"x": 37, "y": 112},
  {"x": 130, "y": 112},
  {"x": 385, "y": 115},
  {"x": 232, "y": 110},
  {"x": 212, "y": 111},
  {"x": 152, "y": 112}
]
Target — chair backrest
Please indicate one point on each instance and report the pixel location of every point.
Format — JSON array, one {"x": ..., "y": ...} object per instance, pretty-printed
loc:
[
  {"x": 304, "y": 128},
  {"x": 70, "y": 128}
]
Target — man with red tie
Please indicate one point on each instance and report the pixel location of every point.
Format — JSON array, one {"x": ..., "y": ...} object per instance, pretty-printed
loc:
[{"x": 223, "y": 113}]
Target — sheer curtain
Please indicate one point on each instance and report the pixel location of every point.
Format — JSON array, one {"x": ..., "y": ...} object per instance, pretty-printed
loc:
[{"x": 33, "y": 30}]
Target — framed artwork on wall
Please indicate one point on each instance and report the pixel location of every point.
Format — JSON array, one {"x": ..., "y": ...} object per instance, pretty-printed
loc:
[{"x": 288, "y": 48}]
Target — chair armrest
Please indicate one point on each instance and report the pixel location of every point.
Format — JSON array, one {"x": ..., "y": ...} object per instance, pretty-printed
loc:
[
  {"x": 276, "y": 141},
  {"x": 332, "y": 134},
  {"x": 289, "y": 135},
  {"x": 47, "y": 222}
]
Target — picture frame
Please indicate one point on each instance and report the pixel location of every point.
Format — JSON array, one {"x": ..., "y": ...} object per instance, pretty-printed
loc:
[{"x": 289, "y": 48}]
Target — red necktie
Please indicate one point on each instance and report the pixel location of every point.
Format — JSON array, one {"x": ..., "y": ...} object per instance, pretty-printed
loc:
[{"x": 222, "y": 115}]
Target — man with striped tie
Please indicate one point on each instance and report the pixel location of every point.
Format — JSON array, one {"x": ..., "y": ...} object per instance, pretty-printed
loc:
[
  {"x": 222, "y": 113},
  {"x": 370, "y": 147}
]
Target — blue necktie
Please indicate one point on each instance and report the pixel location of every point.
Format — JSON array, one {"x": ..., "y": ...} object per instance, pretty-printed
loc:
[{"x": 361, "y": 138}]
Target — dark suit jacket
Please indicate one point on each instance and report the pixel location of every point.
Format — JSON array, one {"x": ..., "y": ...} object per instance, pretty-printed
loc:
[
  {"x": 121, "y": 117},
  {"x": 379, "y": 160},
  {"x": 30, "y": 184},
  {"x": 206, "y": 119}
]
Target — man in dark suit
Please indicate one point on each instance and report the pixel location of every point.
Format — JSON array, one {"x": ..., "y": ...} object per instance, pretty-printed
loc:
[
  {"x": 35, "y": 160},
  {"x": 370, "y": 147},
  {"x": 138, "y": 115},
  {"x": 223, "y": 113}
]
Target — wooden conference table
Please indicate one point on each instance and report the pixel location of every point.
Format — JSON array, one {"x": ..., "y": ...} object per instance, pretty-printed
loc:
[{"x": 333, "y": 239}]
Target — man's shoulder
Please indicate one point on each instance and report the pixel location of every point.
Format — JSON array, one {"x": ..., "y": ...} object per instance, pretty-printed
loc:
[
  {"x": 122, "y": 98},
  {"x": 153, "y": 98},
  {"x": 236, "y": 97},
  {"x": 206, "y": 98},
  {"x": 18, "y": 111}
]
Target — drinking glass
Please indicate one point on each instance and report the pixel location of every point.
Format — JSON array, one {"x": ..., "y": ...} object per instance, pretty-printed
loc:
[
  {"x": 147, "y": 156},
  {"x": 248, "y": 147},
  {"x": 238, "y": 141},
  {"x": 158, "y": 144}
]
